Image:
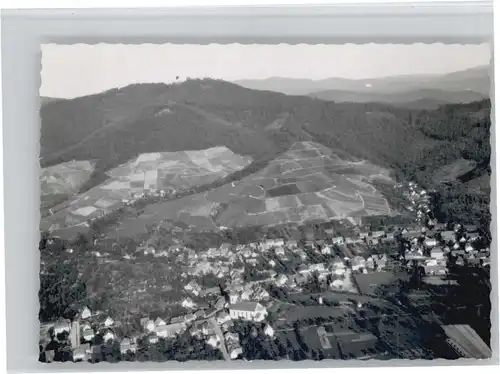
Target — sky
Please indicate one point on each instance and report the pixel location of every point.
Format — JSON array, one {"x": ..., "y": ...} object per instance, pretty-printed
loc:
[{"x": 77, "y": 70}]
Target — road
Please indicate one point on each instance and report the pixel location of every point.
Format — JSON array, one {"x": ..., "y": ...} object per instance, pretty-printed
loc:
[{"x": 219, "y": 333}]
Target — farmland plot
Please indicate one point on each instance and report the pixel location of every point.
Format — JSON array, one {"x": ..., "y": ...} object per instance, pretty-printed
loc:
[{"x": 273, "y": 195}]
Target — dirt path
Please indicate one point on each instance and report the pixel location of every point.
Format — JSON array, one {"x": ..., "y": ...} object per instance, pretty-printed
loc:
[{"x": 219, "y": 333}]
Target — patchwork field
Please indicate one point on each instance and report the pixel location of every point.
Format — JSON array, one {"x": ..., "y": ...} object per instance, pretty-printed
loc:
[
  {"x": 151, "y": 171},
  {"x": 64, "y": 179},
  {"x": 289, "y": 189}
]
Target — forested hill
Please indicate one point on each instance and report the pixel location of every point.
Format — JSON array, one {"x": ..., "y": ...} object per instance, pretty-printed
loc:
[
  {"x": 114, "y": 126},
  {"x": 459, "y": 166},
  {"x": 118, "y": 124}
]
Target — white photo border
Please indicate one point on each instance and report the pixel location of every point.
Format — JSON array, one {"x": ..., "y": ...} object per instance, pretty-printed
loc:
[{"x": 23, "y": 32}]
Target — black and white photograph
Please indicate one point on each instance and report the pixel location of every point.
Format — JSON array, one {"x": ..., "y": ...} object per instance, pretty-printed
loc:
[{"x": 247, "y": 202}]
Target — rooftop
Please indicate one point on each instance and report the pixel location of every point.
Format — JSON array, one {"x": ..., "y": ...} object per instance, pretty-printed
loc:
[{"x": 249, "y": 306}]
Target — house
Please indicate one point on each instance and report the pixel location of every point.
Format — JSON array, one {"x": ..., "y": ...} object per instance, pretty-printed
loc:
[
  {"x": 414, "y": 234},
  {"x": 430, "y": 242},
  {"x": 373, "y": 241},
  {"x": 470, "y": 228},
  {"x": 337, "y": 263},
  {"x": 377, "y": 234},
  {"x": 234, "y": 297},
  {"x": 61, "y": 326},
  {"x": 245, "y": 295},
  {"x": 107, "y": 335},
  {"x": 177, "y": 319},
  {"x": 448, "y": 235},
  {"x": 252, "y": 261},
  {"x": 338, "y": 240},
  {"x": 88, "y": 335},
  {"x": 326, "y": 250},
  {"x": 148, "y": 324},
  {"x": 317, "y": 267},
  {"x": 249, "y": 310},
  {"x": 279, "y": 251},
  {"x": 210, "y": 292},
  {"x": 337, "y": 284},
  {"x": 213, "y": 340},
  {"x": 272, "y": 263},
  {"x": 291, "y": 243},
  {"x": 390, "y": 237},
  {"x": 188, "y": 303},
  {"x": 193, "y": 287},
  {"x": 80, "y": 353},
  {"x": 231, "y": 337},
  {"x": 148, "y": 250},
  {"x": 200, "y": 314},
  {"x": 127, "y": 345},
  {"x": 207, "y": 329},
  {"x": 235, "y": 352},
  {"x": 222, "y": 317},
  {"x": 159, "y": 322},
  {"x": 152, "y": 338},
  {"x": 281, "y": 280},
  {"x": 221, "y": 302},
  {"x": 473, "y": 236},
  {"x": 437, "y": 253},
  {"x": 364, "y": 235},
  {"x": 268, "y": 330},
  {"x": 108, "y": 321},
  {"x": 302, "y": 255},
  {"x": 261, "y": 295},
  {"x": 85, "y": 313},
  {"x": 469, "y": 248},
  {"x": 170, "y": 330}
]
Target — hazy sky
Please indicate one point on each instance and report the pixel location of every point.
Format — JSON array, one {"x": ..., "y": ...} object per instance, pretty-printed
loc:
[{"x": 79, "y": 69}]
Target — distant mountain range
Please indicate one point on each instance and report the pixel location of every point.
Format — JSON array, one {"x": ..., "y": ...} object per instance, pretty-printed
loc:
[
  {"x": 414, "y": 91},
  {"x": 417, "y": 99}
]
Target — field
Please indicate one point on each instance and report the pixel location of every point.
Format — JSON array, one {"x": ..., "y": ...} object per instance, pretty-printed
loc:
[
  {"x": 299, "y": 186},
  {"x": 150, "y": 171},
  {"x": 60, "y": 181},
  {"x": 295, "y": 187}
]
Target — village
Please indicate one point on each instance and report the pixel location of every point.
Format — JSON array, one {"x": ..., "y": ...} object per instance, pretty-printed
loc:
[{"x": 225, "y": 285}]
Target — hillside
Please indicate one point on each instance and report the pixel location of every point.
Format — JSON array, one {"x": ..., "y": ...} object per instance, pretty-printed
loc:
[
  {"x": 475, "y": 79},
  {"x": 308, "y": 182},
  {"x": 117, "y": 126}
]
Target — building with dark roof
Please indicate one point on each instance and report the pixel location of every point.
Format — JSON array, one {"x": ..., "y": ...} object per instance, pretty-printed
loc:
[{"x": 466, "y": 342}]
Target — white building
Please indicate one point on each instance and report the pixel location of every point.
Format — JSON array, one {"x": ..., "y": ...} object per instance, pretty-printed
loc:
[
  {"x": 213, "y": 341},
  {"x": 86, "y": 313},
  {"x": 339, "y": 240},
  {"x": 281, "y": 280},
  {"x": 326, "y": 250},
  {"x": 250, "y": 311},
  {"x": 173, "y": 329},
  {"x": 188, "y": 303},
  {"x": 108, "y": 335},
  {"x": 269, "y": 331}
]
